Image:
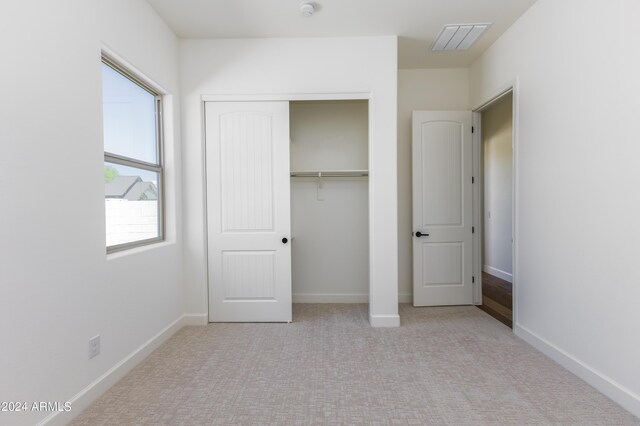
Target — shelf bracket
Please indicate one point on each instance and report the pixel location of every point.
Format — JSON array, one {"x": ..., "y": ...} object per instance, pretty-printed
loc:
[{"x": 320, "y": 192}]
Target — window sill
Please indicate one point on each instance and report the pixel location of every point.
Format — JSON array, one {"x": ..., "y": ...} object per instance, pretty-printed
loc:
[{"x": 140, "y": 249}]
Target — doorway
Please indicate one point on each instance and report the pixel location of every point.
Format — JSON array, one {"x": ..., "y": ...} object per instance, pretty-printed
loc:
[
  {"x": 330, "y": 201},
  {"x": 250, "y": 180},
  {"x": 497, "y": 201}
]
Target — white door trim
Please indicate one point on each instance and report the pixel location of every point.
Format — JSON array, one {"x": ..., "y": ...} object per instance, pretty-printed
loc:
[
  {"x": 345, "y": 96},
  {"x": 513, "y": 88}
]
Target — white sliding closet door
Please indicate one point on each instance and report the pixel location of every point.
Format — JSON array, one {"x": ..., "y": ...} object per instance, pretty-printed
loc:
[{"x": 248, "y": 211}]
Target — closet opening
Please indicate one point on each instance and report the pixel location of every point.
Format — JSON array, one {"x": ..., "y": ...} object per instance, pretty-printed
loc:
[{"x": 329, "y": 158}]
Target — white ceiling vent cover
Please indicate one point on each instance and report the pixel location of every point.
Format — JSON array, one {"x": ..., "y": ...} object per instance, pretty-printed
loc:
[{"x": 458, "y": 37}]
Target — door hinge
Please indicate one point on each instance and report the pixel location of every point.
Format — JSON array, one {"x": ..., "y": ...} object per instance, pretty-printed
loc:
[
  {"x": 473, "y": 130},
  {"x": 473, "y": 180},
  {"x": 473, "y": 279},
  {"x": 473, "y": 229}
]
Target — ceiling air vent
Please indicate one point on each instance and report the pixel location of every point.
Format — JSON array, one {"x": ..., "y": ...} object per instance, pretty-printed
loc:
[{"x": 458, "y": 37}]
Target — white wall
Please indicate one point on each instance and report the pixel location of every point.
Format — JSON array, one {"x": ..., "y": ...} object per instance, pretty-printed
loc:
[
  {"x": 284, "y": 66},
  {"x": 443, "y": 89},
  {"x": 330, "y": 216},
  {"x": 497, "y": 177},
  {"x": 58, "y": 286},
  {"x": 577, "y": 205}
]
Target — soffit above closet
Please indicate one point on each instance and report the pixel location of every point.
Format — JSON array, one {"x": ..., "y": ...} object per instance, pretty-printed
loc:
[{"x": 416, "y": 22}]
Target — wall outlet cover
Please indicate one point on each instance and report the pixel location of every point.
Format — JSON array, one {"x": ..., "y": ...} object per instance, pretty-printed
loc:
[{"x": 94, "y": 346}]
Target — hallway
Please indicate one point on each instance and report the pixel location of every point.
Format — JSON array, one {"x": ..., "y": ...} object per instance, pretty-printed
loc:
[{"x": 497, "y": 295}]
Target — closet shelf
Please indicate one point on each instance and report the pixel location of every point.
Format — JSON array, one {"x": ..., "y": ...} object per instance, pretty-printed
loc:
[{"x": 330, "y": 173}]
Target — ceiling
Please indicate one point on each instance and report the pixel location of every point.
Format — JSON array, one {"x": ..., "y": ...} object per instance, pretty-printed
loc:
[{"x": 415, "y": 22}]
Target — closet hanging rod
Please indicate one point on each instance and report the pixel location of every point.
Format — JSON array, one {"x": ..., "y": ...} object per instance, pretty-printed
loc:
[{"x": 331, "y": 173}]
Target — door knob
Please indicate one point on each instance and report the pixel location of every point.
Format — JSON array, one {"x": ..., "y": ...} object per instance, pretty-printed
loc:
[
  {"x": 420, "y": 234},
  {"x": 285, "y": 240}
]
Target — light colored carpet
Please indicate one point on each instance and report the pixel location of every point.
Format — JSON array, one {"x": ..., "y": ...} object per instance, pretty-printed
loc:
[{"x": 445, "y": 365}]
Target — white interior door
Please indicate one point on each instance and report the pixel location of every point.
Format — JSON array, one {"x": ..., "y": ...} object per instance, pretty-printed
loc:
[
  {"x": 248, "y": 213},
  {"x": 442, "y": 208}
]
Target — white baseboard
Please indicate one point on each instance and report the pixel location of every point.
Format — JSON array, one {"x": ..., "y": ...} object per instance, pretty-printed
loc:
[
  {"x": 330, "y": 298},
  {"x": 405, "y": 297},
  {"x": 195, "y": 319},
  {"x": 384, "y": 320},
  {"x": 343, "y": 298},
  {"x": 498, "y": 273},
  {"x": 615, "y": 391},
  {"x": 88, "y": 395}
]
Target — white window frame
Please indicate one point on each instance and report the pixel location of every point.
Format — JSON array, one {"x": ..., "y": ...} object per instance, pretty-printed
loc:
[{"x": 138, "y": 164}]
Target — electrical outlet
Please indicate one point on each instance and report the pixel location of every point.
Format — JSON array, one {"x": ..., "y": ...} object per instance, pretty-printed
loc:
[{"x": 94, "y": 346}]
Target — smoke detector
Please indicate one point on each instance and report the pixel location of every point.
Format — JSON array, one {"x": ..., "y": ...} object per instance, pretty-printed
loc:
[{"x": 307, "y": 9}]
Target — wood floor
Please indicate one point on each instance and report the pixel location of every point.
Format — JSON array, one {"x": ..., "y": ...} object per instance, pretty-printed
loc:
[{"x": 497, "y": 298}]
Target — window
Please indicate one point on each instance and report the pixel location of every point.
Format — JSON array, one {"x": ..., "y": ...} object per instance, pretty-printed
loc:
[{"x": 133, "y": 170}]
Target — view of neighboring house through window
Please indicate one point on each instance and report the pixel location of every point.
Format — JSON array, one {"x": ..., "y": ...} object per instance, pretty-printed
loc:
[{"x": 132, "y": 159}]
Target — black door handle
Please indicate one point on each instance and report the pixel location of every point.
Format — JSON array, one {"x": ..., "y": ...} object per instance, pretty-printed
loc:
[
  {"x": 420, "y": 234},
  {"x": 285, "y": 240}
]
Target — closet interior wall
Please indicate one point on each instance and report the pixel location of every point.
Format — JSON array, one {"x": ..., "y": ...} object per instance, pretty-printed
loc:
[{"x": 330, "y": 215}]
